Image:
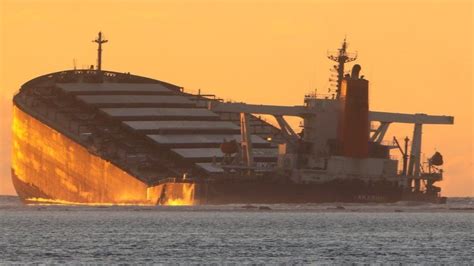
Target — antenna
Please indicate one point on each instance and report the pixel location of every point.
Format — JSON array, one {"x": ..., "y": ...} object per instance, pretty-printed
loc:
[
  {"x": 341, "y": 57},
  {"x": 99, "y": 41},
  {"x": 74, "y": 63}
]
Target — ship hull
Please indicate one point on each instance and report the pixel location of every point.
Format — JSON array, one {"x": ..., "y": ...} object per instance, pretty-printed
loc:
[
  {"x": 269, "y": 193},
  {"x": 354, "y": 190},
  {"x": 48, "y": 167},
  {"x": 217, "y": 193}
]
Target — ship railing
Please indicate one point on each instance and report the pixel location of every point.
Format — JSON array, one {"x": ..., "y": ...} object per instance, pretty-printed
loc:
[
  {"x": 174, "y": 180},
  {"x": 387, "y": 143},
  {"x": 432, "y": 176},
  {"x": 314, "y": 95}
]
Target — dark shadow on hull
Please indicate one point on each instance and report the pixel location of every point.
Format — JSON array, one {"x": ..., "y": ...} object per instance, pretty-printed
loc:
[
  {"x": 27, "y": 191},
  {"x": 273, "y": 193}
]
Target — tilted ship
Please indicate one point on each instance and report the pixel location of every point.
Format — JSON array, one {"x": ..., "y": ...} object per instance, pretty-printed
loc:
[{"x": 100, "y": 137}]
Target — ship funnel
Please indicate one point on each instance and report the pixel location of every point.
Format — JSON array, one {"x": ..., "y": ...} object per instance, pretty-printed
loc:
[
  {"x": 355, "y": 71},
  {"x": 353, "y": 124}
]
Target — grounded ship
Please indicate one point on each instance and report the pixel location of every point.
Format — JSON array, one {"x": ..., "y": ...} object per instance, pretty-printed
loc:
[{"x": 101, "y": 137}]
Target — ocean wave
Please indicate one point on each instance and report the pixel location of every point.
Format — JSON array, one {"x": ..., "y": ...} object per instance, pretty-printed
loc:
[{"x": 457, "y": 204}]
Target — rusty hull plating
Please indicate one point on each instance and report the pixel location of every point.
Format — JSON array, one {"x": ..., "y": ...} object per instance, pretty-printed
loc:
[{"x": 50, "y": 168}]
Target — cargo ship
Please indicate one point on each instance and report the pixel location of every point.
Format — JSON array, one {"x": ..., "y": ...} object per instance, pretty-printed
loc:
[{"x": 97, "y": 137}]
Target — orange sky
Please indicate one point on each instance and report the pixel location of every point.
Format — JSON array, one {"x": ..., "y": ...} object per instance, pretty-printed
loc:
[{"x": 417, "y": 56}]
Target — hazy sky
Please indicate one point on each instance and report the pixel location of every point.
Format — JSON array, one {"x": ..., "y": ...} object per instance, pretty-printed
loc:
[{"x": 417, "y": 56}]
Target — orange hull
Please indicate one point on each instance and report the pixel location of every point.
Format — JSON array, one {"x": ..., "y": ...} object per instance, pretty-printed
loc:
[{"x": 47, "y": 166}]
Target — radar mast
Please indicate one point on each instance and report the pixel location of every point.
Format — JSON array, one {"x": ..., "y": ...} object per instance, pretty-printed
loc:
[
  {"x": 99, "y": 41},
  {"x": 341, "y": 57}
]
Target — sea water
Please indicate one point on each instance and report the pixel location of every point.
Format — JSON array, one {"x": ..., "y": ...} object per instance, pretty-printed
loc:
[{"x": 335, "y": 233}]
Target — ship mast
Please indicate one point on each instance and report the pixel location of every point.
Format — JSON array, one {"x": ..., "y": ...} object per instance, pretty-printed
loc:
[
  {"x": 341, "y": 57},
  {"x": 99, "y": 41}
]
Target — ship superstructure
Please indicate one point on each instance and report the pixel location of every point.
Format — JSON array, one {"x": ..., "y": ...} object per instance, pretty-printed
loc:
[{"x": 102, "y": 137}]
